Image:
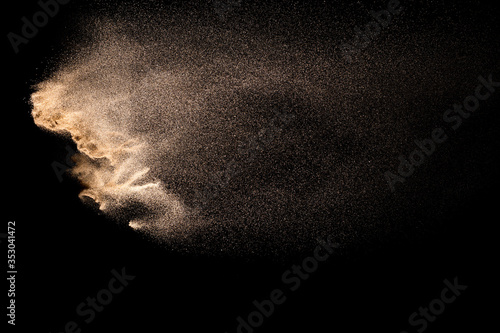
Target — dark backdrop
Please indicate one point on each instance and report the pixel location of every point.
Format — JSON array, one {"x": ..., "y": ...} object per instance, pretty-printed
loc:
[{"x": 66, "y": 251}]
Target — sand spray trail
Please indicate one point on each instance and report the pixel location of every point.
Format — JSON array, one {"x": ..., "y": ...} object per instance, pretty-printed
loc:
[{"x": 156, "y": 109}]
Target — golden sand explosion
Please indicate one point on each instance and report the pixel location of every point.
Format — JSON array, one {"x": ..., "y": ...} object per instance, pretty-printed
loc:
[
  {"x": 161, "y": 106},
  {"x": 91, "y": 104}
]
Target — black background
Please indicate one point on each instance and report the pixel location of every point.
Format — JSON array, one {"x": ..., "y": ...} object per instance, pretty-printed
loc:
[{"x": 65, "y": 250}]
